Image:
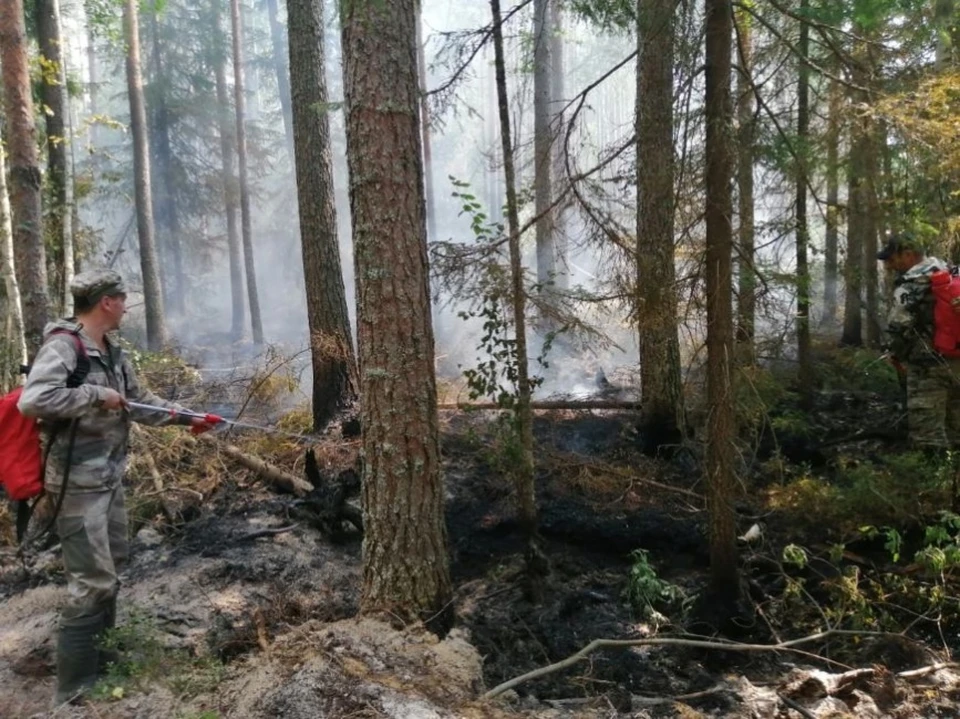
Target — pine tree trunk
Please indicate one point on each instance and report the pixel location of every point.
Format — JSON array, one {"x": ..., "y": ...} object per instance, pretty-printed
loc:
[
  {"x": 334, "y": 365},
  {"x": 93, "y": 84},
  {"x": 25, "y": 178},
  {"x": 53, "y": 96},
  {"x": 152, "y": 293},
  {"x": 721, "y": 429},
  {"x": 543, "y": 147},
  {"x": 746, "y": 254},
  {"x": 165, "y": 211},
  {"x": 405, "y": 560},
  {"x": 14, "y": 308},
  {"x": 871, "y": 235},
  {"x": 524, "y": 473},
  {"x": 281, "y": 68},
  {"x": 71, "y": 214},
  {"x": 562, "y": 280},
  {"x": 831, "y": 242},
  {"x": 246, "y": 230},
  {"x": 231, "y": 189},
  {"x": 661, "y": 413},
  {"x": 804, "y": 358}
]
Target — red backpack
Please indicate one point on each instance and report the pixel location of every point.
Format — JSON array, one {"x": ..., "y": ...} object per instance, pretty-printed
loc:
[
  {"x": 946, "y": 313},
  {"x": 21, "y": 463}
]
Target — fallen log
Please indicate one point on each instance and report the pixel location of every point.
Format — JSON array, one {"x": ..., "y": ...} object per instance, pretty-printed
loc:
[
  {"x": 282, "y": 479},
  {"x": 547, "y": 405}
]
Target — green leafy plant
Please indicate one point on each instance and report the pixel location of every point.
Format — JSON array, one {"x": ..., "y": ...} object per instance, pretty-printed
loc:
[{"x": 646, "y": 591}]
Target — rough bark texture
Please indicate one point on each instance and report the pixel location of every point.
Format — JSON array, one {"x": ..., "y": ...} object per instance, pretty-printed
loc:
[
  {"x": 871, "y": 231},
  {"x": 152, "y": 294},
  {"x": 804, "y": 359},
  {"x": 231, "y": 192},
  {"x": 661, "y": 414},
  {"x": 334, "y": 366},
  {"x": 721, "y": 429},
  {"x": 53, "y": 96},
  {"x": 560, "y": 213},
  {"x": 831, "y": 241},
  {"x": 246, "y": 230},
  {"x": 405, "y": 560},
  {"x": 14, "y": 309},
  {"x": 524, "y": 473},
  {"x": 165, "y": 211},
  {"x": 746, "y": 236},
  {"x": 29, "y": 254},
  {"x": 281, "y": 68}
]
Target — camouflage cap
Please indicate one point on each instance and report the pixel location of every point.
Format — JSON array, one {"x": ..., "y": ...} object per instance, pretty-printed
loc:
[
  {"x": 902, "y": 242},
  {"x": 94, "y": 284}
]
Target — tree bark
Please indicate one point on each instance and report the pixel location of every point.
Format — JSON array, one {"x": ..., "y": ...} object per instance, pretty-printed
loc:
[
  {"x": 334, "y": 365},
  {"x": 165, "y": 210},
  {"x": 25, "y": 178},
  {"x": 561, "y": 282},
  {"x": 831, "y": 242},
  {"x": 543, "y": 147},
  {"x": 231, "y": 189},
  {"x": 804, "y": 358},
  {"x": 524, "y": 474},
  {"x": 661, "y": 413},
  {"x": 14, "y": 309},
  {"x": 53, "y": 97},
  {"x": 405, "y": 561},
  {"x": 282, "y": 69},
  {"x": 746, "y": 234},
  {"x": 152, "y": 294},
  {"x": 721, "y": 429},
  {"x": 246, "y": 230}
]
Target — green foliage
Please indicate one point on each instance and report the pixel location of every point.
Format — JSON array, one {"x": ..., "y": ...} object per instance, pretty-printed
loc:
[
  {"x": 145, "y": 659},
  {"x": 608, "y": 15},
  {"x": 646, "y": 592}
]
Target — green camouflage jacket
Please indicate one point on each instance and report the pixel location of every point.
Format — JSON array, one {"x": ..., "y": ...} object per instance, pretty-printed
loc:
[
  {"x": 99, "y": 454},
  {"x": 910, "y": 320}
]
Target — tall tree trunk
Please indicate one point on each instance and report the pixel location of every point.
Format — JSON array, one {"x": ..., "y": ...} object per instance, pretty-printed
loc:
[
  {"x": 543, "y": 147},
  {"x": 721, "y": 429},
  {"x": 166, "y": 212},
  {"x": 405, "y": 560},
  {"x": 331, "y": 345},
  {"x": 93, "y": 84},
  {"x": 830, "y": 266},
  {"x": 231, "y": 190},
  {"x": 523, "y": 414},
  {"x": 661, "y": 413},
  {"x": 53, "y": 96},
  {"x": 425, "y": 130},
  {"x": 71, "y": 215},
  {"x": 152, "y": 294},
  {"x": 14, "y": 307},
  {"x": 944, "y": 18},
  {"x": 29, "y": 255},
  {"x": 746, "y": 251},
  {"x": 871, "y": 232},
  {"x": 282, "y": 69},
  {"x": 804, "y": 358},
  {"x": 245, "y": 221},
  {"x": 562, "y": 280}
]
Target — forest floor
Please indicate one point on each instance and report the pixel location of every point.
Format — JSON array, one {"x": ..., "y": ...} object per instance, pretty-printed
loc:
[{"x": 236, "y": 605}]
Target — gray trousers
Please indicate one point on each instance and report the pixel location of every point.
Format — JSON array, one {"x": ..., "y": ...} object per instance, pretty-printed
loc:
[{"x": 93, "y": 536}]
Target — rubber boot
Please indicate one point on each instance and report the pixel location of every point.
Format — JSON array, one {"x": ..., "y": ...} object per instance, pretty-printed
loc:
[
  {"x": 78, "y": 656},
  {"x": 108, "y": 656}
]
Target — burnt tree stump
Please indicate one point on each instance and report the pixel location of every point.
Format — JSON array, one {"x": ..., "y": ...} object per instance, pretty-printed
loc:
[{"x": 325, "y": 507}]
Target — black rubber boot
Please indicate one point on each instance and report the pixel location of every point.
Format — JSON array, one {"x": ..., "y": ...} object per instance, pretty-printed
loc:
[
  {"x": 108, "y": 656},
  {"x": 78, "y": 656}
]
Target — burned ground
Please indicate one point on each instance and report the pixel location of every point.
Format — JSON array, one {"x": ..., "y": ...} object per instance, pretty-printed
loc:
[{"x": 240, "y": 582}]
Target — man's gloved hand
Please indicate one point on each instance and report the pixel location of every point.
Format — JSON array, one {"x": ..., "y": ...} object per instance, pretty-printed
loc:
[
  {"x": 111, "y": 399},
  {"x": 199, "y": 425}
]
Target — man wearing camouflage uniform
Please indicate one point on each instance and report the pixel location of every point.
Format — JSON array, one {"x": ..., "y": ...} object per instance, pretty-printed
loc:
[
  {"x": 933, "y": 382},
  {"x": 92, "y": 521}
]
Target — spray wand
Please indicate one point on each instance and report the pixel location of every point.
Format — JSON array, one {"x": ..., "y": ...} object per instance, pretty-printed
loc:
[{"x": 213, "y": 419}]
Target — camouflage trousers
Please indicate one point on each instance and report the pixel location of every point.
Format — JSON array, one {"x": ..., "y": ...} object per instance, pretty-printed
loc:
[
  {"x": 933, "y": 405},
  {"x": 93, "y": 536}
]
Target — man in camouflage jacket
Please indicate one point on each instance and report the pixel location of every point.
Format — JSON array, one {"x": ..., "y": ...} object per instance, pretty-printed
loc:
[
  {"x": 92, "y": 522},
  {"x": 933, "y": 382}
]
